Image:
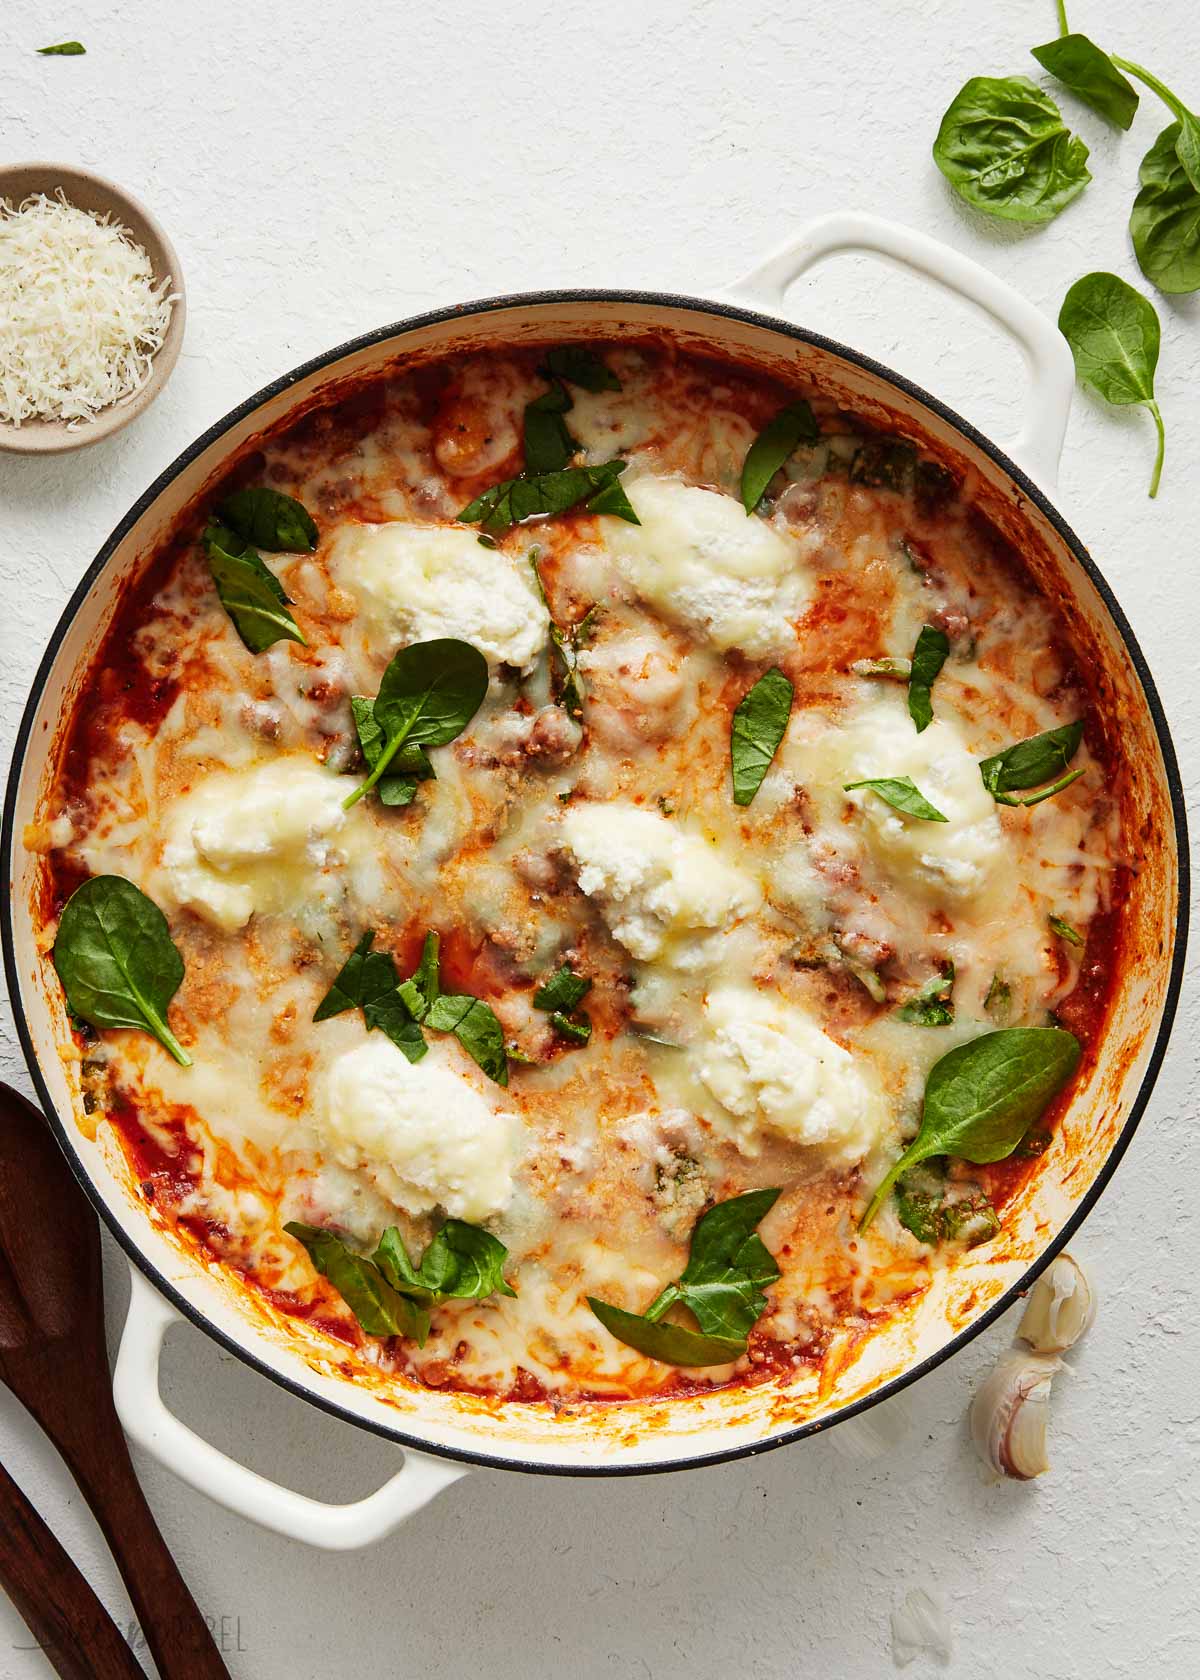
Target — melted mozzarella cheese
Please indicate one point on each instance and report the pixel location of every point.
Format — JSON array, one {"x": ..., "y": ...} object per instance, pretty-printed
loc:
[
  {"x": 697, "y": 557},
  {"x": 251, "y": 840},
  {"x": 418, "y": 582},
  {"x": 419, "y": 1131},
  {"x": 771, "y": 1068},
  {"x": 660, "y": 888}
]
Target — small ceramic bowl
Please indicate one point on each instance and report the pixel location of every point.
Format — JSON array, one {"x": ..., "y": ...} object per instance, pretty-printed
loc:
[{"x": 92, "y": 192}]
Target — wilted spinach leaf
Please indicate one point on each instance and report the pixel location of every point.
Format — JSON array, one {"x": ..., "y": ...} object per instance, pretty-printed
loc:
[
  {"x": 902, "y": 793},
  {"x": 270, "y": 520},
  {"x": 564, "y": 990},
  {"x": 249, "y": 591},
  {"x": 517, "y": 499},
  {"x": 474, "y": 1024},
  {"x": 1005, "y": 149},
  {"x": 1064, "y": 930},
  {"x": 885, "y": 464},
  {"x": 116, "y": 959},
  {"x": 759, "y": 724},
  {"x": 462, "y": 1263},
  {"x": 364, "y": 976},
  {"x": 379, "y": 1309},
  {"x": 412, "y": 764},
  {"x": 581, "y": 366},
  {"x": 930, "y": 1006},
  {"x": 981, "y": 1098},
  {"x": 1113, "y": 332},
  {"x": 549, "y": 446}
]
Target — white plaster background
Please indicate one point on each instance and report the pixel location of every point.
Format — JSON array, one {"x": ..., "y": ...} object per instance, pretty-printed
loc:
[{"x": 324, "y": 168}]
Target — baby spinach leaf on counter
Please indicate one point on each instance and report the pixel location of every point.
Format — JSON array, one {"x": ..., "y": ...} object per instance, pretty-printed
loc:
[
  {"x": 517, "y": 499},
  {"x": 64, "y": 49},
  {"x": 670, "y": 1343},
  {"x": 461, "y": 1263},
  {"x": 578, "y": 1028},
  {"x": 1090, "y": 74},
  {"x": 981, "y": 1098},
  {"x": 793, "y": 425},
  {"x": 389, "y": 1014},
  {"x": 269, "y": 519},
  {"x": 899, "y": 669},
  {"x": 1114, "y": 336},
  {"x": 1005, "y": 150},
  {"x": 412, "y": 763},
  {"x": 930, "y": 1006},
  {"x": 564, "y": 990},
  {"x": 902, "y": 793},
  {"x": 379, "y": 1309},
  {"x": 884, "y": 464},
  {"x": 1187, "y": 141},
  {"x": 116, "y": 959},
  {"x": 365, "y": 976},
  {"x": 582, "y": 367},
  {"x": 428, "y": 696},
  {"x": 1064, "y": 930},
  {"x": 998, "y": 1002},
  {"x": 249, "y": 591},
  {"x": 929, "y": 655},
  {"x": 1030, "y": 762},
  {"x": 722, "y": 1285},
  {"x": 476, "y": 1028},
  {"x": 549, "y": 446},
  {"x": 1164, "y": 223},
  {"x": 758, "y": 727}
]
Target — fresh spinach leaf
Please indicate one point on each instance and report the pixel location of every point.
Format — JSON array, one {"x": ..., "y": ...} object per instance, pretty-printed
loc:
[
  {"x": 1090, "y": 74},
  {"x": 64, "y": 49},
  {"x": 929, "y": 655},
  {"x": 412, "y": 763},
  {"x": 428, "y": 696},
  {"x": 982, "y": 1097},
  {"x": 902, "y": 793},
  {"x": 249, "y": 591},
  {"x": 722, "y": 1285},
  {"x": 884, "y": 464},
  {"x": 116, "y": 959},
  {"x": 364, "y": 976},
  {"x": 549, "y": 446},
  {"x": 476, "y": 1028},
  {"x": 580, "y": 366},
  {"x": 1028, "y": 763},
  {"x": 517, "y": 499},
  {"x": 1005, "y": 150},
  {"x": 930, "y": 1006},
  {"x": 564, "y": 990},
  {"x": 1164, "y": 223},
  {"x": 578, "y": 1028},
  {"x": 1114, "y": 335},
  {"x": 270, "y": 520},
  {"x": 462, "y": 1263},
  {"x": 792, "y": 426},
  {"x": 379, "y": 1309},
  {"x": 1064, "y": 930},
  {"x": 758, "y": 727},
  {"x": 1187, "y": 141},
  {"x": 389, "y": 1014}
]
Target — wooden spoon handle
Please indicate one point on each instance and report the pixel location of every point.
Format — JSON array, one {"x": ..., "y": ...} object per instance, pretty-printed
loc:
[
  {"x": 179, "y": 1638},
  {"x": 74, "y": 1631}
]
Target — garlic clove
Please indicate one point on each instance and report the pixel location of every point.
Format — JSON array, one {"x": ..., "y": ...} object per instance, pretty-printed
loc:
[
  {"x": 1060, "y": 1308},
  {"x": 1010, "y": 1412}
]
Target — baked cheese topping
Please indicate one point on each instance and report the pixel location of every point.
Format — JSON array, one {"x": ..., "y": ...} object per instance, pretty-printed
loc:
[{"x": 753, "y": 967}]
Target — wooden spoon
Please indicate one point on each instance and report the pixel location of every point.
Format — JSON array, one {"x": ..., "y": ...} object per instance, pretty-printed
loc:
[
  {"x": 74, "y": 1631},
  {"x": 54, "y": 1358}
]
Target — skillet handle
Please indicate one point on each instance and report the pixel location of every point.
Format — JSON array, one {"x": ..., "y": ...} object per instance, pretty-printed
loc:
[
  {"x": 1051, "y": 369},
  {"x": 148, "y": 1422}
]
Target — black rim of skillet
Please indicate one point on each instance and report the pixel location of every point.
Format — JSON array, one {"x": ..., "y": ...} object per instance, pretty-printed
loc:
[{"x": 1024, "y": 486}]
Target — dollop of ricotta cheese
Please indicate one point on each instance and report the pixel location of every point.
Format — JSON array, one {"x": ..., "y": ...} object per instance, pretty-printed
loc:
[
  {"x": 663, "y": 891},
  {"x": 420, "y": 1132},
  {"x": 772, "y": 1069},
  {"x": 696, "y": 557},
  {"x": 253, "y": 840},
  {"x": 418, "y": 582}
]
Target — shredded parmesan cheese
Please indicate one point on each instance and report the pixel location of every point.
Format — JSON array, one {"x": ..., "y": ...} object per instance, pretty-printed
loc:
[{"x": 81, "y": 314}]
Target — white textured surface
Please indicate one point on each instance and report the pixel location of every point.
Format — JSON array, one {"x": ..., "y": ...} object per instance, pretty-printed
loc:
[{"x": 323, "y": 169}]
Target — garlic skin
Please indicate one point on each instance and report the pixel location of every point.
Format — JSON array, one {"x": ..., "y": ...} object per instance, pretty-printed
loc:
[
  {"x": 1060, "y": 1308},
  {"x": 1009, "y": 1415}
]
